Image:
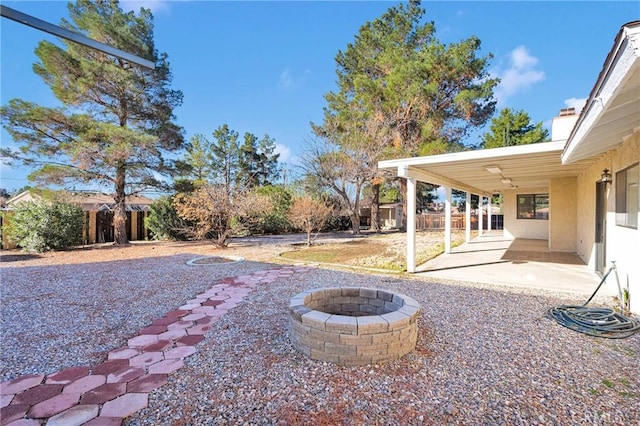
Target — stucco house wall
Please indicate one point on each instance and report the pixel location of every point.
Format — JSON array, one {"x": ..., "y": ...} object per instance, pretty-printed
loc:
[
  {"x": 562, "y": 214},
  {"x": 535, "y": 229},
  {"x": 622, "y": 243}
]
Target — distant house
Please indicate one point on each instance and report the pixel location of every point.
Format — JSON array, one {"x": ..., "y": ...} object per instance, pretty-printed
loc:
[
  {"x": 580, "y": 192},
  {"x": 390, "y": 215},
  {"x": 98, "y": 209}
]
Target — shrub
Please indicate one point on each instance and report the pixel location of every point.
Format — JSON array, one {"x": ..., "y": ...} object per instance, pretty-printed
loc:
[
  {"x": 211, "y": 210},
  {"x": 163, "y": 221},
  {"x": 38, "y": 226},
  {"x": 217, "y": 215},
  {"x": 276, "y": 220}
]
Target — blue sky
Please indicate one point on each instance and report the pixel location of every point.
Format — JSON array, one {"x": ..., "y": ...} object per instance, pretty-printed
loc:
[{"x": 263, "y": 67}]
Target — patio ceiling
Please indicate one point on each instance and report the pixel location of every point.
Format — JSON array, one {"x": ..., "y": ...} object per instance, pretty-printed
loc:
[{"x": 526, "y": 166}]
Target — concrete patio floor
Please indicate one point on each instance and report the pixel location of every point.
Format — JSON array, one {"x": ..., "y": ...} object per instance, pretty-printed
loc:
[{"x": 495, "y": 259}]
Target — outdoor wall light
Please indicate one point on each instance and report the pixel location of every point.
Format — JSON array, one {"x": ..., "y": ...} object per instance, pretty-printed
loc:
[{"x": 606, "y": 176}]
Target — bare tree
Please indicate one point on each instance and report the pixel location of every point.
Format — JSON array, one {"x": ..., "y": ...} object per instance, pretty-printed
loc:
[
  {"x": 309, "y": 214},
  {"x": 343, "y": 170},
  {"x": 217, "y": 216}
]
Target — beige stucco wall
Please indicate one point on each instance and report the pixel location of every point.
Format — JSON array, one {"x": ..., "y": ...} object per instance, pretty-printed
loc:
[
  {"x": 562, "y": 214},
  {"x": 523, "y": 228},
  {"x": 622, "y": 244}
]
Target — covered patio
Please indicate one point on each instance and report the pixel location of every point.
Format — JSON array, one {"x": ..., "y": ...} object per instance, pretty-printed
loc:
[
  {"x": 516, "y": 172},
  {"x": 525, "y": 263}
]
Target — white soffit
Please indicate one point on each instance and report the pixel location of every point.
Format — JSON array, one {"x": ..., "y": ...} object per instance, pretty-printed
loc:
[{"x": 612, "y": 111}]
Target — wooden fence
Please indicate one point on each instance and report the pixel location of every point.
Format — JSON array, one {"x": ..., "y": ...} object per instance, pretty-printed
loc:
[{"x": 432, "y": 221}]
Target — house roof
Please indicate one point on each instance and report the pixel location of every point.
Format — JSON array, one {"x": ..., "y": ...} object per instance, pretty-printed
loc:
[
  {"x": 90, "y": 201},
  {"x": 598, "y": 129},
  {"x": 612, "y": 112},
  {"x": 22, "y": 197}
]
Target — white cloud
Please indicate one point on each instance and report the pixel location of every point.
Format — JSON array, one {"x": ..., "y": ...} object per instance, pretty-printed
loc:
[
  {"x": 521, "y": 59},
  {"x": 288, "y": 80},
  {"x": 156, "y": 6},
  {"x": 285, "y": 153},
  {"x": 519, "y": 76},
  {"x": 577, "y": 103}
]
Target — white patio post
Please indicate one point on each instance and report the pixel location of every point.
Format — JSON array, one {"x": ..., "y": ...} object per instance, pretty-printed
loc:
[
  {"x": 489, "y": 214},
  {"x": 467, "y": 218},
  {"x": 447, "y": 219},
  {"x": 411, "y": 225},
  {"x": 480, "y": 226}
]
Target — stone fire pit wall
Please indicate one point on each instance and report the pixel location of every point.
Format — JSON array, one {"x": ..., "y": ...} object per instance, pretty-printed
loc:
[{"x": 353, "y": 325}]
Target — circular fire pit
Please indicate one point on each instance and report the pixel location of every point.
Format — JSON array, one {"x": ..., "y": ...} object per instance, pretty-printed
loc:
[{"x": 353, "y": 325}]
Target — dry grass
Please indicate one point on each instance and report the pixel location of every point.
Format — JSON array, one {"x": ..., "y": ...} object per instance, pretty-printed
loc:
[{"x": 384, "y": 251}]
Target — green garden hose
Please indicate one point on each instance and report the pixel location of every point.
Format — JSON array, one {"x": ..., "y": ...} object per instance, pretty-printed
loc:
[{"x": 597, "y": 322}]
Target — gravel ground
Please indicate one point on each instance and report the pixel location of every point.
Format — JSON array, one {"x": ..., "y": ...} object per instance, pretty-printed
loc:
[
  {"x": 485, "y": 354},
  {"x": 70, "y": 309}
]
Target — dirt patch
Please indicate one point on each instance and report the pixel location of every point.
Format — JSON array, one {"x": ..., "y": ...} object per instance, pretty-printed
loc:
[{"x": 384, "y": 251}]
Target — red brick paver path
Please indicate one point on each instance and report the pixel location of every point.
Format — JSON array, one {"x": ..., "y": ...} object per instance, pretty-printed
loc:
[{"x": 107, "y": 393}]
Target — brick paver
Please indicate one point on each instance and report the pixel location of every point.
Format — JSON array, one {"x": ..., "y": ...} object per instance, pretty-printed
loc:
[
  {"x": 67, "y": 376},
  {"x": 105, "y": 394},
  {"x": 74, "y": 416}
]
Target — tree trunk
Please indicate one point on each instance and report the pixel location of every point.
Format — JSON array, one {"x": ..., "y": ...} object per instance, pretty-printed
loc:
[
  {"x": 120, "y": 211},
  {"x": 355, "y": 223},
  {"x": 375, "y": 207},
  {"x": 403, "y": 193}
]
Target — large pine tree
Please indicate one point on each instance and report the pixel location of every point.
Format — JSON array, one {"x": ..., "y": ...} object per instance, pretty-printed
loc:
[
  {"x": 401, "y": 92},
  {"x": 115, "y": 125}
]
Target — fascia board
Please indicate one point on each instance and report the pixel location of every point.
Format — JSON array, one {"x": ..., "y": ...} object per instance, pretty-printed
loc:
[{"x": 492, "y": 154}]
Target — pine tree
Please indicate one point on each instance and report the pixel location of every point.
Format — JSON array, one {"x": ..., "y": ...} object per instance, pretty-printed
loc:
[
  {"x": 511, "y": 128},
  {"x": 258, "y": 162},
  {"x": 268, "y": 171},
  {"x": 226, "y": 161},
  {"x": 115, "y": 125},
  {"x": 249, "y": 160}
]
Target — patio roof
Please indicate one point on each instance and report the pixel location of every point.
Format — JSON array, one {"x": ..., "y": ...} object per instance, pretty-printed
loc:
[{"x": 490, "y": 171}]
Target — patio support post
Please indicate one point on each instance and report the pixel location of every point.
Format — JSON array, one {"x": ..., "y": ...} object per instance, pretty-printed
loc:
[
  {"x": 411, "y": 225},
  {"x": 467, "y": 218},
  {"x": 447, "y": 219},
  {"x": 480, "y": 225},
  {"x": 489, "y": 214}
]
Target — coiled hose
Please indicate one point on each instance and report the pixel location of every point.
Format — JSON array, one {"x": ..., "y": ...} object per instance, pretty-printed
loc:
[{"x": 597, "y": 322}]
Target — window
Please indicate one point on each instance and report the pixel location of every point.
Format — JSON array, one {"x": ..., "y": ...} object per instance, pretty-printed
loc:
[
  {"x": 533, "y": 206},
  {"x": 627, "y": 196}
]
